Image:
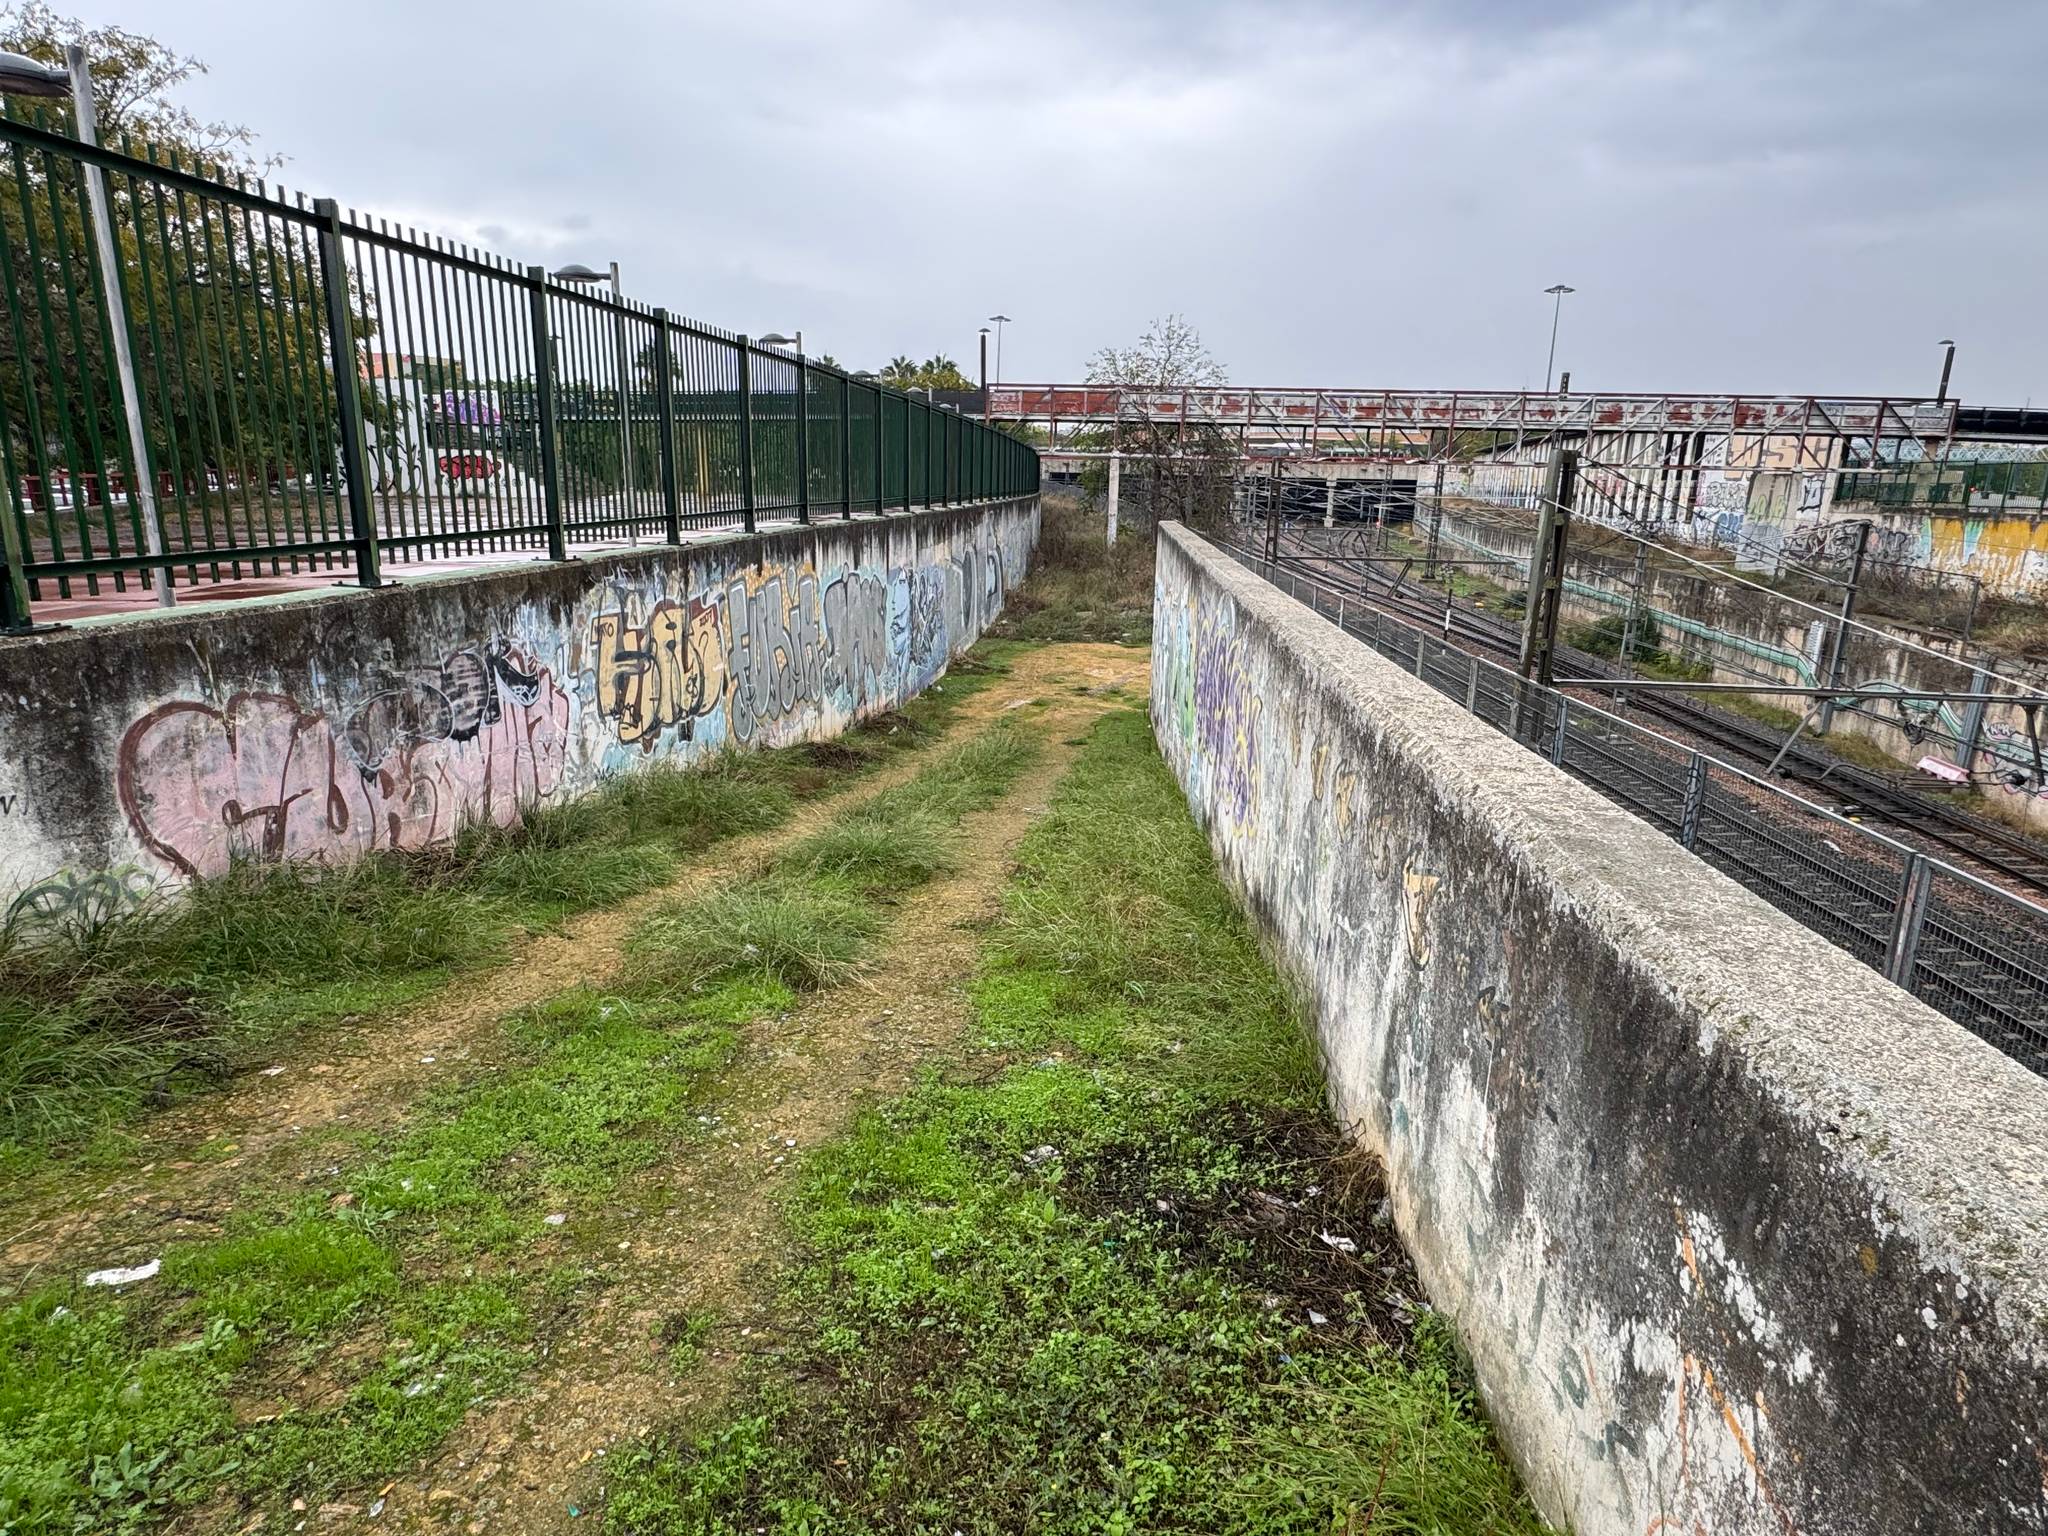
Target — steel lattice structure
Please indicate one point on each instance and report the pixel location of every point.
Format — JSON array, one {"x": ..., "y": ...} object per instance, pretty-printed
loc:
[{"x": 1633, "y": 428}]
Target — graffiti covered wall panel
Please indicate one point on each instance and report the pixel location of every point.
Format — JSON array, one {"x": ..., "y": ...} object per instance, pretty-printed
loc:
[{"x": 288, "y": 733}]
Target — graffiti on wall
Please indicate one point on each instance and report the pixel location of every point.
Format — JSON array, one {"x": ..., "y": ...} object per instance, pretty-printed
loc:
[
  {"x": 1228, "y": 711},
  {"x": 476, "y": 739},
  {"x": 660, "y": 675},
  {"x": 758, "y": 655}
]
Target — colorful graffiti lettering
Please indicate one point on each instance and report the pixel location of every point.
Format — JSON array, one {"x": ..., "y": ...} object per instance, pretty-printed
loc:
[
  {"x": 659, "y": 676},
  {"x": 264, "y": 778},
  {"x": 764, "y": 654},
  {"x": 1227, "y": 717}
]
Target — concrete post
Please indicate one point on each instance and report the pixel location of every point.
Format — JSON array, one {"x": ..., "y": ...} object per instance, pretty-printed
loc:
[
  {"x": 1116, "y": 474},
  {"x": 1329, "y": 503},
  {"x": 1436, "y": 526}
]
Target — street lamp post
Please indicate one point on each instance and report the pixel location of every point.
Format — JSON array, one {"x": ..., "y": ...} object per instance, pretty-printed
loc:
[
  {"x": 1558, "y": 291},
  {"x": 584, "y": 276},
  {"x": 803, "y": 423},
  {"x": 984, "y": 373},
  {"x": 1948, "y": 362},
  {"x": 1000, "y": 321}
]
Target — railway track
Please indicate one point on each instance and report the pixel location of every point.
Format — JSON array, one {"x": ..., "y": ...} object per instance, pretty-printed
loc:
[
  {"x": 1853, "y": 791},
  {"x": 1979, "y": 954}
]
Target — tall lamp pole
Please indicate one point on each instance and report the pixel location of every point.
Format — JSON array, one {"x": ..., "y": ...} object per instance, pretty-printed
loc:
[
  {"x": 1948, "y": 362},
  {"x": 1558, "y": 291},
  {"x": 576, "y": 272},
  {"x": 984, "y": 373},
  {"x": 1000, "y": 321}
]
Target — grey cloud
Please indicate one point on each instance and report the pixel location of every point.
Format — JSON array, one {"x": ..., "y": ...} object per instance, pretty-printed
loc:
[{"x": 1749, "y": 196}]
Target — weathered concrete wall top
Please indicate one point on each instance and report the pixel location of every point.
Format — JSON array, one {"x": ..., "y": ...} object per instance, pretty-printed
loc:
[
  {"x": 1741, "y": 1237},
  {"x": 155, "y": 748}
]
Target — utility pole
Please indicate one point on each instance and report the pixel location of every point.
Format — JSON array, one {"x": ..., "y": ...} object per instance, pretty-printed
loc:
[
  {"x": 1838, "y": 656},
  {"x": 1546, "y": 566},
  {"x": 1273, "y": 515},
  {"x": 1557, "y": 291},
  {"x": 984, "y": 375}
]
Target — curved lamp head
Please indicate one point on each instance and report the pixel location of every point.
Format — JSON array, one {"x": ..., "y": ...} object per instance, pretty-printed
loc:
[
  {"x": 776, "y": 339},
  {"x": 24, "y": 76},
  {"x": 576, "y": 272},
  {"x": 1560, "y": 288}
]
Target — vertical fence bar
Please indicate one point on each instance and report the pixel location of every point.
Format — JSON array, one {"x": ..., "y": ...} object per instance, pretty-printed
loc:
[
  {"x": 544, "y": 414},
  {"x": 881, "y": 454},
  {"x": 845, "y": 448},
  {"x": 665, "y": 430},
  {"x": 1564, "y": 720},
  {"x": 341, "y": 347},
  {"x": 803, "y": 439},
  {"x": 906, "y": 452},
  {"x": 747, "y": 433}
]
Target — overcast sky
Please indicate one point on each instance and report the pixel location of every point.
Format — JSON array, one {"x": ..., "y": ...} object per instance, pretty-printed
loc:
[{"x": 1784, "y": 196}]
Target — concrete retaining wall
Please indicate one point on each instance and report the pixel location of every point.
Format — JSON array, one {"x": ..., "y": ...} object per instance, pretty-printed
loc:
[
  {"x": 142, "y": 749},
  {"x": 1741, "y": 1237}
]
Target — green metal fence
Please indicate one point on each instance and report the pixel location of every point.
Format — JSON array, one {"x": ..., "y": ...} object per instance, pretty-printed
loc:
[{"x": 322, "y": 391}]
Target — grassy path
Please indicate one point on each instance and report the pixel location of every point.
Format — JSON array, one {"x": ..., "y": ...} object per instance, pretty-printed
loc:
[
  {"x": 371, "y": 1257},
  {"x": 1109, "y": 1269},
  {"x": 689, "y": 1298}
]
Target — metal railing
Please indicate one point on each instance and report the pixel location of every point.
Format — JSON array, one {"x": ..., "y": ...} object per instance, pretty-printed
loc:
[
  {"x": 322, "y": 391},
  {"x": 1970, "y": 949}
]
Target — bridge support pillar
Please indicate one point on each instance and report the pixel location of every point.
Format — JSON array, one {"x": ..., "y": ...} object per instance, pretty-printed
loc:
[{"x": 1116, "y": 475}]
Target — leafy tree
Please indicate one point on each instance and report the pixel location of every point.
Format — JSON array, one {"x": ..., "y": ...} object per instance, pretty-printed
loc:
[
  {"x": 224, "y": 300},
  {"x": 1189, "y": 469},
  {"x": 936, "y": 372}
]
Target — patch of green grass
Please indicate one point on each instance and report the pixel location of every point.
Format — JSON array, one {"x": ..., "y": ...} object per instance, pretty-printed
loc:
[
  {"x": 801, "y": 933},
  {"x": 106, "y": 1017},
  {"x": 809, "y": 922},
  {"x": 1079, "y": 1289},
  {"x": 1081, "y": 588},
  {"x": 328, "y": 1315},
  {"x": 334, "y": 1333}
]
